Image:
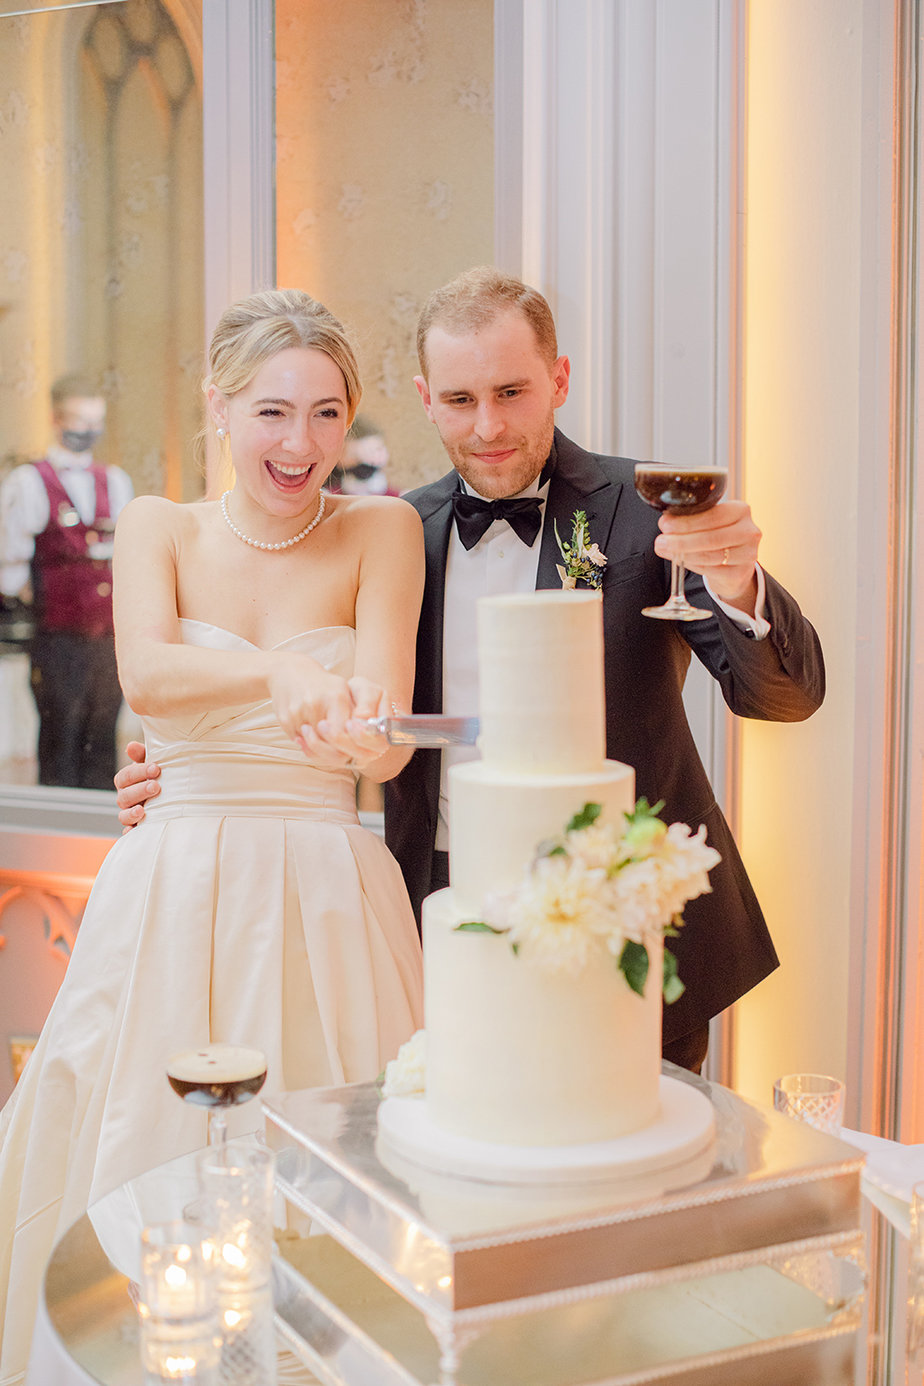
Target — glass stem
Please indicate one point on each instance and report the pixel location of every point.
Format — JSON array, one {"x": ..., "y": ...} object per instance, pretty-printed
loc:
[
  {"x": 678, "y": 573},
  {"x": 217, "y": 1126}
]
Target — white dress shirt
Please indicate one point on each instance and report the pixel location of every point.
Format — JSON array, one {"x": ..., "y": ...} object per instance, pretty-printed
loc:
[
  {"x": 500, "y": 563},
  {"x": 25, "y": 512}
]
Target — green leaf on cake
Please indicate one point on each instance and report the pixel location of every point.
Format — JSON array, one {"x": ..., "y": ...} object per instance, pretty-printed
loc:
[
  {"x": 477, "y": 926},
  {"x": 588, "y": 815},
  {"x": 633, "y": 964},
  {"x": 673, "y": 987}
]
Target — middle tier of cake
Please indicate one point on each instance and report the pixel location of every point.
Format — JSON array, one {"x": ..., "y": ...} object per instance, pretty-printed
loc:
[{"x": 499, "y": 818}]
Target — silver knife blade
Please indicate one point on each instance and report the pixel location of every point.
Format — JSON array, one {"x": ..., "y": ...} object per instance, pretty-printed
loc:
[{"x": 427, "y": 729}]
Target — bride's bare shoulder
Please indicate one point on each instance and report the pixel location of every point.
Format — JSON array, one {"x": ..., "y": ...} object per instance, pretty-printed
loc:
[
  {"x": 374, "y": 511},
  {"x": 157, "y": 521},
  {"x": 174, "y": 517}
]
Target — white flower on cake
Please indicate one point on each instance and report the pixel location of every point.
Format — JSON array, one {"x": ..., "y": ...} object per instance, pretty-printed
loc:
[
  {"x": 597, "y": 891},
  {"x": 558, "y": 914},
  {"x": 405, "y": 1075},
  {"x": 584, "y": 561}
]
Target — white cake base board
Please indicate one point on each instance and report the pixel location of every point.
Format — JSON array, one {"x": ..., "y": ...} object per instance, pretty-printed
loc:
[{"x": 685, "y": 1128}]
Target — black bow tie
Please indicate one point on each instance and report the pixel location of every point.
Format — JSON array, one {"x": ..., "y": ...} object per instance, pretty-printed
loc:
[{"x": 475, "y": 516}]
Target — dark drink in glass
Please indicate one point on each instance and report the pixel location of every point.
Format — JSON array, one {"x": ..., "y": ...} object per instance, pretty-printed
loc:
[
  {"x": 217, "y": 1076},
  {"x": 686, "y": 491},
  {"x": 681, "y": 491}
]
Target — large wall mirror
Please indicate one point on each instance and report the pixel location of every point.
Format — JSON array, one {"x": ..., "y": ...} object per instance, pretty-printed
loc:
[
  {"x": 383, "y": 152},
  {"x": 101, "y": 253}
]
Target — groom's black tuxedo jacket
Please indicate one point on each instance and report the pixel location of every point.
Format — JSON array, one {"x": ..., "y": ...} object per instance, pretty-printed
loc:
[{"x": 724, "y": 948}]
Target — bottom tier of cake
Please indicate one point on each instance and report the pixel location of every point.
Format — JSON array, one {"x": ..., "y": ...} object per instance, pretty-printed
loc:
[{"x": 517, "y": 1055}]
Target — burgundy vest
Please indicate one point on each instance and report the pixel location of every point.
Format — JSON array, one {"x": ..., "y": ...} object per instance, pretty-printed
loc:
[{"x": 73, "y": 591}]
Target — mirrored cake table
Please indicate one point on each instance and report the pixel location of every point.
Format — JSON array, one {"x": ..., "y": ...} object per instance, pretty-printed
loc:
[{"x": 745, "y": 1265}]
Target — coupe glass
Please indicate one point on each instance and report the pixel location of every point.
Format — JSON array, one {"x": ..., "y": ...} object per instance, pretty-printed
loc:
[
  {"x": 680, "y": 491},
  {"x": 217, "y": 1076}
]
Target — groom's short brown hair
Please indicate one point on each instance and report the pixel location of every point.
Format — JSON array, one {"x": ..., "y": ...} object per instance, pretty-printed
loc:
[{"x": 475, "y": 298}]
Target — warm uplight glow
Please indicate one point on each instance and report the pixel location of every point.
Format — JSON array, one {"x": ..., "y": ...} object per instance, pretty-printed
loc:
[
  {"x": 800, "y": 446},
  {"x": 444, "y": 1282}
]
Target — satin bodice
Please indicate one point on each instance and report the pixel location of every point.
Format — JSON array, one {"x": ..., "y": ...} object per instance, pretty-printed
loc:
[{"x": 238, "y": 760}]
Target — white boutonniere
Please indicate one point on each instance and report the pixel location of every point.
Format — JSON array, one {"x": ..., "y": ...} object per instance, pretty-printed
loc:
[{"x": 584, "y": 561}]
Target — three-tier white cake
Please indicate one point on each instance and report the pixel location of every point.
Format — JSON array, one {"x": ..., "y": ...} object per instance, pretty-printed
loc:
[{"x": 534, "y": 1062}]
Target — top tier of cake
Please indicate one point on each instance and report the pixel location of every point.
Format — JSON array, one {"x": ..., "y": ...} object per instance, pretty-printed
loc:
[
  {"x": 541, "y": 683},
  {"x": 542, "y": 739}
]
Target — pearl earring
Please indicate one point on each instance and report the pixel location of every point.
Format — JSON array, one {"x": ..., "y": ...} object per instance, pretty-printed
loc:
[{"x": 221, "y": 432}]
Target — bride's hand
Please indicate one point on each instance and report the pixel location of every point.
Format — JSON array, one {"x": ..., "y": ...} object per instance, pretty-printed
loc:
[
  {"x": 350, "y": 739},
  {"x": 304, "y": 694}
]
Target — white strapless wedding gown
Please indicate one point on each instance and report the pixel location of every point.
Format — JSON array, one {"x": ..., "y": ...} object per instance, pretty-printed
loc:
[{"x": 251, "y": 908}]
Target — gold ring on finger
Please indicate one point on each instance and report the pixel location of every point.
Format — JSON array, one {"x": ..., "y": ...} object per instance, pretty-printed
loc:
[{"x": 725, "y": 558}]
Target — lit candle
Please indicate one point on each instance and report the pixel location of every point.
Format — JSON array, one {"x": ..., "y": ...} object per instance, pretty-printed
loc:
[{"x": 179, "y": 1305}]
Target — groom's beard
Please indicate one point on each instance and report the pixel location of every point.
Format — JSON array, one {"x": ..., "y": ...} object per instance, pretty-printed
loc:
[{"x": 511, "y": 474}]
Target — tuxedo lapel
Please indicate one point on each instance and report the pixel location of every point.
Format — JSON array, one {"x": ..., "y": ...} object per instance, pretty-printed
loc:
[{"x": 578, "y": 483}]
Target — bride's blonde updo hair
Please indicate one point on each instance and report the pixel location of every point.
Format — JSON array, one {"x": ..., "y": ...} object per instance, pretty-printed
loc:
[{"x": 257, "y": 328}]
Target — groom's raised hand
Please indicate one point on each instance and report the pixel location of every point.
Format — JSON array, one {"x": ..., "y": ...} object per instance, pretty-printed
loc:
[{"x": 135, "y": 784}]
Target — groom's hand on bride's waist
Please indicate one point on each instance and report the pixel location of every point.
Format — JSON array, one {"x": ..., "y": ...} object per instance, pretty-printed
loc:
[{"x": 135, "y": 784}]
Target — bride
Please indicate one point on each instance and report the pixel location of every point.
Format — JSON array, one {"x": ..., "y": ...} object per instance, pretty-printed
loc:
[{"x": 254, "y": 635}]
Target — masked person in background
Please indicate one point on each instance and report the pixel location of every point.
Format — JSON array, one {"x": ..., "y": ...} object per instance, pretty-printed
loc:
[
  {"x": 365, "y": 461},
  {"x": 57, "y": 517}
]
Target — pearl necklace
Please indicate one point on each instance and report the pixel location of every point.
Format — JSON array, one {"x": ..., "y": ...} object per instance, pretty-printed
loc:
[{"x": 286, "y": 543}]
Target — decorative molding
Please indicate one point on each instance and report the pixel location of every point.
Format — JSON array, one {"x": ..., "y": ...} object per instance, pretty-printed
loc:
[
  {"x": 884, "y": 1059},
  {"x": 885, "y": 1044},
  {"x": 61, "y": 910},
  {"x": 622, "y": 216},
  {"x": 49, "y": 811},
  {"x": 52, "y": 844},
  {"x": 238, "y": 161},
  {"x": 75, "y": 890},
  {"x": 508, "y": 142},
  {"x": 238, "y": 39}
]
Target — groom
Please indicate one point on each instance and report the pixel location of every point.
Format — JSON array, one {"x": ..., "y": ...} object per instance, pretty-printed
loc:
[{"x": 491, "y": 379}]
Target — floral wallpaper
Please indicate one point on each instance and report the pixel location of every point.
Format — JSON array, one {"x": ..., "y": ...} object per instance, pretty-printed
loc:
[{"x": 385, "y": 180}]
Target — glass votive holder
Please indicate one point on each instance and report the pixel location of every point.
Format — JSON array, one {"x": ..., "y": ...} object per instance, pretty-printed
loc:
[
  {"x": 236, "y": 1184},
  {"x": 178, "y": 1306},
  {"x": 813, "y": 1098},
  {"x": 248, "y": 1338}
]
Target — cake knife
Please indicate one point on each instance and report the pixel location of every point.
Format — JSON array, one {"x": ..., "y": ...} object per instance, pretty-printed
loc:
[{"x": 426, "y": 729}]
